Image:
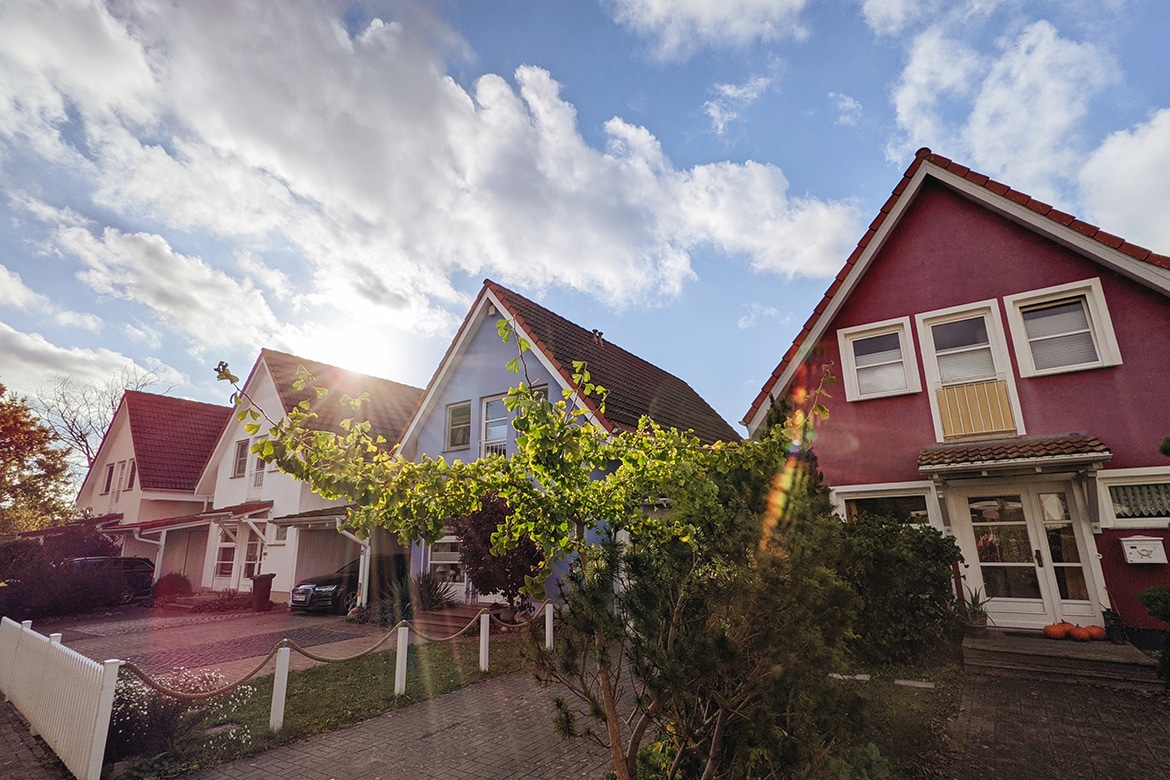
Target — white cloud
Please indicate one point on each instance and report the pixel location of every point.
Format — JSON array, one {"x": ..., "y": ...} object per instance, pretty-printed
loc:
[
  {"x": 848, "y": 109},
  {"x": 1125, "y": 183},
  {"x": 731, "y": 99},
  {"x": 183, "y": 292},
  {"x": 755, "y": 312},
  {"x": 31, "y": 361},
  {"x": 1014, "y": 115},
  {"x": 15, "y": 294},
  {"x": 679, "y": 27},
  {"x": 890, "y": 17}
]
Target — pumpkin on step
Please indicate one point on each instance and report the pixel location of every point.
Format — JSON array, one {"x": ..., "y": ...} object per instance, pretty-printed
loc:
[
  {"x": 1057, "y": 630},
  {"x": 1080, "y": 633},
  {"x": 1096, "y": 632}
]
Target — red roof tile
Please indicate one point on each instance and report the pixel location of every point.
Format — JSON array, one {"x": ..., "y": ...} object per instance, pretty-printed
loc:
[
  {"x": 636, "y": 388},
  {"x": 389, "y": 409},
  {"x": 173, "y": 438},
  {"x": 1026, "y": 448},
  {"x": 924, "y": 154}
]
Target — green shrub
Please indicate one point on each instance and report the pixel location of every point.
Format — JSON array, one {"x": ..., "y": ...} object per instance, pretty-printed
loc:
[
  {"x": 145, "y": 723},
  {"x": 903, "y": 576},
  {"x": 39, "y": 589},
  {"x": 429, "y": 593},
  {"x": 18, "y": 555},
  {"x": 171, "y": 586},
  {"x": 226, "y": 601}
]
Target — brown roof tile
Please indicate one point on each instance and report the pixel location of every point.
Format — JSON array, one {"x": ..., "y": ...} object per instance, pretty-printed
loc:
[
  {"x": 1015, "y": 449},
  {"x": 636, "y": 387},
  {"x": 389, "y": 409},
  {"x": 173, "y": 438},
  {"x": 1060, "y": 217}
]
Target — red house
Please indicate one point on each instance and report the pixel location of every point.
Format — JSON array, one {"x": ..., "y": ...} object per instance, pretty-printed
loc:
[{"x": 1004, "y": 376}]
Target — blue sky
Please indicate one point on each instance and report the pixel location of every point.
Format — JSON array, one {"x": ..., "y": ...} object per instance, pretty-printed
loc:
[{"x": 184, "y": 183}]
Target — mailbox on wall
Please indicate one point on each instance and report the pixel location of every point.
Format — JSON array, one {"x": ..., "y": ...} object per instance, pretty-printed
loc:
[{"x": 1143, "y": 549}]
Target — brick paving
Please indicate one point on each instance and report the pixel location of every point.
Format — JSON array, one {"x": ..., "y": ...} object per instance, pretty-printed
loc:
[
  {"x": 501, "y": 728},
  {"x": 22, "y": 755},
  {"x": 1016, "y": 728}
]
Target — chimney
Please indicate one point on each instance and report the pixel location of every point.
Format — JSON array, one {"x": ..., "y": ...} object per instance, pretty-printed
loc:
[{"x": 597, "y": 336}]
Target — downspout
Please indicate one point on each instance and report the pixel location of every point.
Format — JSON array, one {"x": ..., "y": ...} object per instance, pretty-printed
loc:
[
  {"x": 159, "y": 544},
  {"x": 363, "y": 563}
]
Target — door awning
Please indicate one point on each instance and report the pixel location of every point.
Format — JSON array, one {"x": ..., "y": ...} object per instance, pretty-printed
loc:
[{"x": 1066, "y": 452}]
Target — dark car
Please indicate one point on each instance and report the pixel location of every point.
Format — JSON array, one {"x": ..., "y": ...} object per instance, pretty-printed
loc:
[
  {"x": 338, "y": 591},
  {"x": 136, "y": 575}
]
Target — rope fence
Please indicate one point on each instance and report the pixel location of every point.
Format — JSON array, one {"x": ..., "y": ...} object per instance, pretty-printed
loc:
[{"x": 283, "y": 649}]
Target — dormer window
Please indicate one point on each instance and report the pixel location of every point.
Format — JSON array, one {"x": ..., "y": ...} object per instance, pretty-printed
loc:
[
  {"x": 1061, "y": 329},
  {"x": 240, "y": 463},
  {"x": 878, "y": 360}
]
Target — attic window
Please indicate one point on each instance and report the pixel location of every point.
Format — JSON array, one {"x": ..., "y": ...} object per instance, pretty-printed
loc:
[
  {"x": 130, "y": 477},
  {"x": 459, "y": 426},
  {"x": 1063, "y": 328},
  {"x": 109, "y": 479},
  {"x": 878, "y": 360},
  {"x": 240, "y": 463}
]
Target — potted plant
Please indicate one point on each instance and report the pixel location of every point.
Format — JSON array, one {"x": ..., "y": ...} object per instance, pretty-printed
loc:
[{"x": 974, "y": 612}]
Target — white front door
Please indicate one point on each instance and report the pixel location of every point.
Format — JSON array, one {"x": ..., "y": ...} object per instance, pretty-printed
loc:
[{"x": 1027, "y": 550}]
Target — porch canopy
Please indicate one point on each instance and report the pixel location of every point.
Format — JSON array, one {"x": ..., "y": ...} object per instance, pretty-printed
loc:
[
  {"x": 316, "y": 519},
  {"x": 227, "y": 513},
  {"x": 1019, "y": 454}
]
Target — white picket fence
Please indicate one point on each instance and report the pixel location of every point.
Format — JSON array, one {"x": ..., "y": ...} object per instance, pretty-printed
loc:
[{"x": 65, "y": 697}]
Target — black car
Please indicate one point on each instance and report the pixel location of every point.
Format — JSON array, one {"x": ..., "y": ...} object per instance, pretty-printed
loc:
[
  {"x": 136, "y": 574},
  {"x": 338, "y": 591}
]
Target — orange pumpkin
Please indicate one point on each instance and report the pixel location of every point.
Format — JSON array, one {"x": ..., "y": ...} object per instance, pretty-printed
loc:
[
  {"x": 1096, "y": 632},
  {"x": 1079, "y": 633},
  {"x": 1057, "y": 630}
]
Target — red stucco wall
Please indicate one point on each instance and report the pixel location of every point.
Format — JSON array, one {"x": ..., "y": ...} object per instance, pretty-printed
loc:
[
  {"x": 1126, "y": 579},
  {"x": 946, "y": 252}
]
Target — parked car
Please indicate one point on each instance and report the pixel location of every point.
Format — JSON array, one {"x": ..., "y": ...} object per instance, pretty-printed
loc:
[
  {"x": 136, "y": 574},
  {"x": 338, "y": 592}
]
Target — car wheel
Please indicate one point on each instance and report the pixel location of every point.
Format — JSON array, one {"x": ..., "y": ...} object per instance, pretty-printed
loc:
[
  {"x": 128, "y": 594},
  {"x": 348, "y": 601}
]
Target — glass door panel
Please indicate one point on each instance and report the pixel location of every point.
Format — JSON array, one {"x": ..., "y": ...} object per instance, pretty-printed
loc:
[
  {"x": 1004, "y": 547},
  {"x": 1063, "y": 552}
]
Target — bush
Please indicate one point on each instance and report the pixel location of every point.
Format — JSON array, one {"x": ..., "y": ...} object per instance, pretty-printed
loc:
[
  {"x": 18, "y": 555},
  {"x": 903, "y": 577},
  {"x": 38, "y": 589},
  {"x": 226, "y": 601},
  {"x": 429, "y": 593},
  {"x": 422, "y": 593},
  {"x": 145, "y": 723},
  {"x": 171, "y": 586}
]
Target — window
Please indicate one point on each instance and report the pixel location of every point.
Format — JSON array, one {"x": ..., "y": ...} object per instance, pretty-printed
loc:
[
  {"x": 132, "y": 475},
  {"x": 1134, "y": 498},
  {"x": 1063, "y": 328},
  {"x": 281, "y": 534},
  {"x": 252, "y": 558},
  {"x": 905, "y": 509},
  {"x": 912, "y": 503},
  {"x": 240, "y": 464},
  {"x": 459, "y": 426},
  {"x": 258, "y": 474},
  {"x": 879, "y": 360},
  {"x": 968, "y": 373},
  {"x": 225, "y": 556},
  {"x": 495, "y": 427},
  {"x": 109, "y": 479}
]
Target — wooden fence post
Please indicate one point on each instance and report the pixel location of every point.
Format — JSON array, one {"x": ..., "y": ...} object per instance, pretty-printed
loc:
[
  {"x": 101, "y": 728},
  {"x": 279, "y": 689},
  {"x": 400, "y": 660},
  {"x": 485, "y": 627}
]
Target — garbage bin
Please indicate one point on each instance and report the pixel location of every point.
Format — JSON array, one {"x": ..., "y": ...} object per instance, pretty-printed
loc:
[{"x": 262, "y": 591}]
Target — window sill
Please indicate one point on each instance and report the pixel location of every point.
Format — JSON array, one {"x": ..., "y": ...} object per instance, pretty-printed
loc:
[
  {"x": 1029, "y": 374},
  {"x": 888, "y": 394}
]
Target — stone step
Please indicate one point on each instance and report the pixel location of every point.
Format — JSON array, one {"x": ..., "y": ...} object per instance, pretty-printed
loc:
[{"x": 1033, "y": 656}]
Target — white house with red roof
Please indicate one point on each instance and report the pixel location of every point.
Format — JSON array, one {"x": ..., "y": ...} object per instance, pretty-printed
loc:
[
  {"x": 147, "y": 466},
  {"x": 1004, "y": 377},
  {"x": 462, "y": 413}
]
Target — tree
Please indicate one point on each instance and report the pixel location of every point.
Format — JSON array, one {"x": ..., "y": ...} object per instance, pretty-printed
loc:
[
  {"x": 568, "y": 484},
  {"x": 34, "y": 470},
  {"x": 490, "y": 572},
  {"x": 81, "y": 412}
]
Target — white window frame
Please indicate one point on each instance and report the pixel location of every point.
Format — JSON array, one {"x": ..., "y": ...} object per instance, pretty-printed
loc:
[
  {"x": 999, "y": 353},
  {"x": 1100, "y": 325},
  {"x": 109, "y": 481},
  {"x": 484, "y": 443},
  {"x": 1134, "y": 476},
  {"x": 839, "y": 495},
  {"x": 131, "y": 475},
  {"x": 900, "y": 326},
  {"x": 447, "y": 445},
  {"x": 240, "y": 459}
]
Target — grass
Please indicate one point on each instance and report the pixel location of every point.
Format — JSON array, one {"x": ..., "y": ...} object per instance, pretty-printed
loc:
[{"x": 331, "y": 696}]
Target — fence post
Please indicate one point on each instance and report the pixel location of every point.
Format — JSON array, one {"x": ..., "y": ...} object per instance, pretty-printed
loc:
[
  {"x": 279, "y": 689},
  {"x": 55, "y": 639},
  {"x": 548, "y": 625},
  {"x": 400, "y": 660},
  {"x": 101, "y": 726},
  {"x": 485, "y": 627}
]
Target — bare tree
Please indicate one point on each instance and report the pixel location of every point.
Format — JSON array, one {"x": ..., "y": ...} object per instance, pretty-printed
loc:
[{"x": 80, "y": 412}]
